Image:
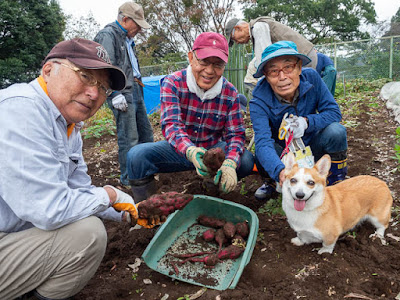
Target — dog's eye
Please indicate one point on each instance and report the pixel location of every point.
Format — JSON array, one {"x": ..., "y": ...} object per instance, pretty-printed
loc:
[
  {"x": 311, "y": 183},
  {"x": 293, "y": 181}
]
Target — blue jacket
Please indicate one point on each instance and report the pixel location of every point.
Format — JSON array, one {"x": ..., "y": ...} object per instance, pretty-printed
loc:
[{"x": 314, "y": 102}]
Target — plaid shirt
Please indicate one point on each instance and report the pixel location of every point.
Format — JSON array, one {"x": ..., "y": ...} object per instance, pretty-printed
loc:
[{"x": 186, "y": 120}]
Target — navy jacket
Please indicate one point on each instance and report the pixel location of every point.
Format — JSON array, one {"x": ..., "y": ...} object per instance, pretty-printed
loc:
[{"x": 315, "y": 102}]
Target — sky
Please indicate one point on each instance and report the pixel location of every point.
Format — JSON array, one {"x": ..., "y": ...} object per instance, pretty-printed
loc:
[{"x": 106, "y": 13}]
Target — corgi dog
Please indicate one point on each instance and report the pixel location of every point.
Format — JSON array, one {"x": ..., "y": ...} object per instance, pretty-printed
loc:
[{"x": 321, "y": 214}]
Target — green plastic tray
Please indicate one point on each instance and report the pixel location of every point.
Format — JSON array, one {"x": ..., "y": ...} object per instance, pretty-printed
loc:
[{"x": 180, "y": 234}]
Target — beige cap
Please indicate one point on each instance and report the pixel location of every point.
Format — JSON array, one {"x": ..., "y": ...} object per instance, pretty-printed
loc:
[{"x": 135, "y": 12}]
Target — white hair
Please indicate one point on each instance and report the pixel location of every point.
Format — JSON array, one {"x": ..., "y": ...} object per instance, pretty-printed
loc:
[{"x": 56, "y": 66}]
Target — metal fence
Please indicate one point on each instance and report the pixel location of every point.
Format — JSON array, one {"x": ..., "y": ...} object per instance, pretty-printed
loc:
[{"x": 369, "y": 59}]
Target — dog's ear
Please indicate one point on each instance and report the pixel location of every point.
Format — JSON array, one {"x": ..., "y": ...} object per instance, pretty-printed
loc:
[
  {"x": 289, "y": 160},
  {"x": 323, "y": 165}
]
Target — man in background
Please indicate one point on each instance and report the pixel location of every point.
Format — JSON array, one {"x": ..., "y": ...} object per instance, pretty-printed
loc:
[
  {"x": 264, "y": 31},
  {"x": 133, "y": 125}
]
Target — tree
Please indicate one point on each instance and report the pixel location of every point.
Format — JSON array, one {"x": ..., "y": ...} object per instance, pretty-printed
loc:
[
  {"x": 82, "y": 27},
  {"x": 176, "y": 23},
  {"x": 320, "y": 21},
  {"x": 28, "y": 30},
  {"x": 394, "y": 25}
]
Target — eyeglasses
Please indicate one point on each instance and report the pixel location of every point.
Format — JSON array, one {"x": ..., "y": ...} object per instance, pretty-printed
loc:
[
  {"x": 204, "y": 63},
  {"x": 287, "y": 69},
  {"x": 88, "y": 79}
]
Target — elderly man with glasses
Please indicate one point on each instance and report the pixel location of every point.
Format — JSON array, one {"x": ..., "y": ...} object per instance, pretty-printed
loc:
[
  {"x": 200, "y": 110},
  {"x": 287, "y": 88},
  {"x": 51, "y": 239}
]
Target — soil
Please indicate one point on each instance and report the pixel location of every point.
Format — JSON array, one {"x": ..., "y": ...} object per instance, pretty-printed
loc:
[{"x": 359, "y": 268}]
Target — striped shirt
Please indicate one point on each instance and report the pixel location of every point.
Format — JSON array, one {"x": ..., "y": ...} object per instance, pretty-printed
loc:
[{"x": 186, "y": 120}]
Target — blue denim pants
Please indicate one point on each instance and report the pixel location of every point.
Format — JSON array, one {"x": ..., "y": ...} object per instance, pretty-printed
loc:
[
  {"x": 332, "y": 139},
  {"x": 133, "y": 126},
  {"x": 160, "y": 157}
]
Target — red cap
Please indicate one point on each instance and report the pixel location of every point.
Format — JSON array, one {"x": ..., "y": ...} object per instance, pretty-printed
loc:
[
  {"x": 88, "y": 55},
  {"x": 210, "y": 44}
]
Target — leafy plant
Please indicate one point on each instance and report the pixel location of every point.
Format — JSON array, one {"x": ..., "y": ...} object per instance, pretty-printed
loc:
[
  {"x": 185, "y": 297},
  {"x": 100, "y": 124},
  {"x": 397, "y": 147},
  {"x": 272, "y": 207},
  {"x": 243, "y": 190}
]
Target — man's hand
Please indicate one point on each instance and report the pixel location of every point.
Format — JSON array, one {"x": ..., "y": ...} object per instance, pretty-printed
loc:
[
  {"x": 226, "y": 176},
  {"x": 195, "y": 156},
  {"x": 119, "y": 102},
  {"x": 123, "y": 202},
  {"x": 298, "y": 126}
]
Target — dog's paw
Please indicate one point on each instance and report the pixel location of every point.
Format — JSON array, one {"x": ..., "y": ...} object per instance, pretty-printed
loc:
[
  {"x": 296, "y": 241},
  {"x": 377, "y": 235},
  {"x": 326, "y": 249}
]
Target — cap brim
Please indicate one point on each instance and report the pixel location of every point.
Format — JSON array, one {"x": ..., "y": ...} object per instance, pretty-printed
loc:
[
  {"x": 211, "y": 52},
  {"x": 142, "y": 23},
  {"x": 280, "y": 52},
  {"x": 117, "y": 76}
]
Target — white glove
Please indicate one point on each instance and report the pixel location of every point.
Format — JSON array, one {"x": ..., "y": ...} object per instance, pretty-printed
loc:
[
  {"x": 125, "y": 202},
  {"x": 119, "y": 102},
  {"x": 226, "y": 176},
  {"x": 298, "y": 126},
  {"x": 195, "y": 156}
]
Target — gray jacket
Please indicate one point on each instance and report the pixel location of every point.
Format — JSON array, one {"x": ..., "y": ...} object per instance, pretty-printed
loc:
[
  {"x": 281, "y": 32},
  {"x": 112, "y": 37}
]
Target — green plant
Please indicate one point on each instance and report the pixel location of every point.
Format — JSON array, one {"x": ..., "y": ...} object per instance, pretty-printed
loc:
[
  {"x": 134, "y": 276},
  {"x": 185, "y": 297},
  {"x": 243, "y": 190},
  {"x": 272, "y": 207},
  {"x": 138, "y": 291},
  {"x": 397, "y": 147}
]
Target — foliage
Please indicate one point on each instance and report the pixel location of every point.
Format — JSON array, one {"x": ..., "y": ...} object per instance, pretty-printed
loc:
[
  {"x": 342, "y": 19},
  {"x": 28, "y": 30},
  {"x": 272, "y": 207},
  {"x": 102, "y": 123},
  {"x": 83, "y": 27},
  {"x": 394, "y": 25},
  {"x": 176, "y": 23},
  {"x": 397, "y": 146}
]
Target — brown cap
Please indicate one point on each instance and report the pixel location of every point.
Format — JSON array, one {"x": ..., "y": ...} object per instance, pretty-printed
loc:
[
  {"x": 88, "y": 55},
  {"x": 135, "y": 12}
]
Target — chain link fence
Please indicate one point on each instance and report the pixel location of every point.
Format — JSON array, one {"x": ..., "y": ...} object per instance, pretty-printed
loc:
[{"x": 368, "y": 59}]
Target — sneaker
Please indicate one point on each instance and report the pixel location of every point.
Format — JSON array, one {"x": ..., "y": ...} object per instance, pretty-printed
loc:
[{"x": 264, "y": 192}]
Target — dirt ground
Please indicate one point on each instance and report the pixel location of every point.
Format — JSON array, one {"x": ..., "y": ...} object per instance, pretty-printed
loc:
[{"x": 359, "y": 268}]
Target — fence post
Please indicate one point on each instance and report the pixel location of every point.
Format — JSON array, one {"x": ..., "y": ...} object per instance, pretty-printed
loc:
[{"x": 391, "y": 59}]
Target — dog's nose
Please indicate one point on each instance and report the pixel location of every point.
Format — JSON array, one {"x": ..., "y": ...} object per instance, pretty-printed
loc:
[{"x": 300, "y": 195}]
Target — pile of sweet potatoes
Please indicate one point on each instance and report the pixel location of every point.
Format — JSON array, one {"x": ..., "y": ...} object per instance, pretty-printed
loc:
[{"x": 223, "y": 233}]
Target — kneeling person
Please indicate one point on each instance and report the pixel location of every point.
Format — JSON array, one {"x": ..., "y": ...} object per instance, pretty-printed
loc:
[{"x": 200, "y": 110}]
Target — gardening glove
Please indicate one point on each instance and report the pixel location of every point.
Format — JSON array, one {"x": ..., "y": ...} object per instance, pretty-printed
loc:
[
  {"x": 125, "y": 203},
  {"x": 226, "y": 176},
  {"x": 119, "y": 102},
  {"x": 298, "y": 126},
  {"x": 195, "y": 156}
]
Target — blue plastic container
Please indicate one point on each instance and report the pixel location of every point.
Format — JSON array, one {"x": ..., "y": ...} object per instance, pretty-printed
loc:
[{"x": 180, "y": 234}]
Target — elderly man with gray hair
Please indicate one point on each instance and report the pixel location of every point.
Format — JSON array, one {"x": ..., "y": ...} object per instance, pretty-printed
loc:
[
  {"x": 133, "y": 125},
  {"x": 264, "y": 31}
]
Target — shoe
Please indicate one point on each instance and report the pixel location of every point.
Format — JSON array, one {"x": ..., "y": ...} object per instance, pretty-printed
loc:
[{"x": 264, "y": 192}]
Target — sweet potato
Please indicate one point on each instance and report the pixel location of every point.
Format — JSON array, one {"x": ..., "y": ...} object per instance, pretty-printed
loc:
[
  {"x": 209, "y": 235},
  {"x": 188, "y": 255},
  {"x": 163, "y": 204},
  {"x": 209, "y": 260},
  {"x": 210, "y": 221},
  {"x": 229, "y": 229},
  {"x": 242, "y": 229},
  {"x": 220, "y": 238},
  {"x": 213, "y": 159},
  {"x": 230, "y": 252}
]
